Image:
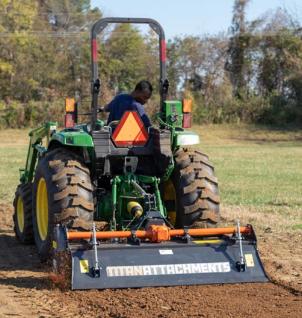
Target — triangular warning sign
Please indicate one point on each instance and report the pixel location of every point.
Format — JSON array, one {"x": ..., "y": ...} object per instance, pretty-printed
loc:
[{"x": 130, "y": 131}]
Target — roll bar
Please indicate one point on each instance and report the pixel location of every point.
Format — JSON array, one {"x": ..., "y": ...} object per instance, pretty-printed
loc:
[{"x": 98, "y": 27}]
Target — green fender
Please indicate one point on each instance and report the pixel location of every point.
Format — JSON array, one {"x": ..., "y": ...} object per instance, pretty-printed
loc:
[{"x": 76, "y": 138}]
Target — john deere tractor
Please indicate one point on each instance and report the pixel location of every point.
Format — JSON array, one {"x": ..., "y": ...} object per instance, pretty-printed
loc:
[
  {"x": 119, "y": 177},
  {"x": 135, "y": 202},
  {"x": 129, "y": 207}
]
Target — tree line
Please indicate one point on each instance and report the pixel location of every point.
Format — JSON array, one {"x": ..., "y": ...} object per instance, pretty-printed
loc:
[{"x": 250, "y": 73}]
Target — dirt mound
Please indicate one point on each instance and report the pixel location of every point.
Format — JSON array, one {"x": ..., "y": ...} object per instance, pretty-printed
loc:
[
  {"x": 6, "y": 217},
  {"x": 282, "y": 258},
  {"x": 25, "y": 289}
]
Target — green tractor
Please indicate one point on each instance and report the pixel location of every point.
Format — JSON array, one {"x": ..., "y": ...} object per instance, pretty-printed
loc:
[{"x": 120, "y": 191}]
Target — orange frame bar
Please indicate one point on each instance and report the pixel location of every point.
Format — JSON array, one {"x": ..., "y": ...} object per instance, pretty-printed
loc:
[{"x": 150, "y": 234}]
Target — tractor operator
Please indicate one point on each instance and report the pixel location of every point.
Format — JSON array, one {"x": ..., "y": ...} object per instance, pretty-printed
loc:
[{"x": 131, "y": 102}]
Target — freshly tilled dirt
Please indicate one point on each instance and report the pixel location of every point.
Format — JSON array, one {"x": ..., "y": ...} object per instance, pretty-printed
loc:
[{"x": 26, "y": 291}]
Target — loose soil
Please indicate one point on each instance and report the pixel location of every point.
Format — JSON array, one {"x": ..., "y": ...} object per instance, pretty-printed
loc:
[{"x": 25, "y": 290}]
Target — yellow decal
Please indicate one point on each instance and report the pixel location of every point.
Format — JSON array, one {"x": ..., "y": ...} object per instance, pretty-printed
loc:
[
  {"x": 84, "y": 266},
  {"x": 54, "y": 244},
  {"x": 207, "y": 241},
  {"x": 249, "y": 260}
]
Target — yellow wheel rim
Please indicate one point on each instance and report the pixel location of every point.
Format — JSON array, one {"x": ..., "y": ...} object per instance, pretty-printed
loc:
[
  {"x": 170, "y": 195},
  {"x": 20, "y": 214},
  {"x": 42, "y": 209}
]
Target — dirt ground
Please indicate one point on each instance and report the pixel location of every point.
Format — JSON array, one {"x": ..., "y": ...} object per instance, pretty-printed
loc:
[{"x": 25, "y": 290}]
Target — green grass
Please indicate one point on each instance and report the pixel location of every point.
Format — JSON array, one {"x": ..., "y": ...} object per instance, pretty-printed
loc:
[
  {"x": 268, "y": 174},
  {"x": 257, "y": 167},
  {"x": 13, "y": 149},
  {"x": 297, "y": 227}
]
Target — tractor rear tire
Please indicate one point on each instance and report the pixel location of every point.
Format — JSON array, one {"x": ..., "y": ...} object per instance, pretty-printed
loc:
[
  {"x": 196, "y": 190},
  {"x": 62, "y": 194},
  {"x": 22, "y": 217}
]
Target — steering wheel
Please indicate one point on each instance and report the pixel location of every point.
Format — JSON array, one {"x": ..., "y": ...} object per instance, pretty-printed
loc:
[{"x": 113, "y": 123}]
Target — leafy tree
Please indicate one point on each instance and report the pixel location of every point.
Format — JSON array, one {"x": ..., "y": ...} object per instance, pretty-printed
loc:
[
  {"x": 124, "y": 58},
  {"x": 255, "y": 75},
  {"x": 16, "y": 22},
  {"x": 236, "y": 62}
]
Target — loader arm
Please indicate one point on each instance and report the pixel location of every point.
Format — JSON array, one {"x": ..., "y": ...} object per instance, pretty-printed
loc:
[{"x": 35, "y": 148}]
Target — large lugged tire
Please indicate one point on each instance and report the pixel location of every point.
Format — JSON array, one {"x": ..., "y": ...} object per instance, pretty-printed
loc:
[
  {"x": 196, "y": 197},
  {"x": 22, "y": 217},
  {"x": 62, "y": 194}
]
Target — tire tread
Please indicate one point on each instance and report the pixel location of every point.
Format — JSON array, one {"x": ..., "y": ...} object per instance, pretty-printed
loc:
[{"x": 204, "y": 210}]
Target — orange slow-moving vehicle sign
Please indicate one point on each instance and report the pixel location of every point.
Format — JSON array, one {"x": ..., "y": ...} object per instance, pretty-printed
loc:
[{"x": 130, "y": 131}]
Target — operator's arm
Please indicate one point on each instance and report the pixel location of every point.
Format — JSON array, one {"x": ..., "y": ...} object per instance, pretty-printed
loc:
[
  {"x": 112, "y": 108},
  {"x": 108, "y": 107},
  {"x": 140, "y": 109}
]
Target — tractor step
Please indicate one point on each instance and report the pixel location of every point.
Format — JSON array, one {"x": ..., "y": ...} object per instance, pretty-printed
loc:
[{"x": 181, "y": 261}]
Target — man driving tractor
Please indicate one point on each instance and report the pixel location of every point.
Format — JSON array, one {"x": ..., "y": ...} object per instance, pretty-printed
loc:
[{"x": 131, "y": 102}]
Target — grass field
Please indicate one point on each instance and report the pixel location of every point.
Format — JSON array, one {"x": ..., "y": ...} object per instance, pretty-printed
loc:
[{"x": 259, "y": 170}]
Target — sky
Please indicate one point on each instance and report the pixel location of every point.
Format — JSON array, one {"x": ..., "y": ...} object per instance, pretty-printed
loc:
[{"x": 192, "y": 17}]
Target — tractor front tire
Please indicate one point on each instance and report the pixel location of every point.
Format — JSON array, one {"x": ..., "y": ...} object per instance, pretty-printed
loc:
[
  {"x": 62, "y": 194},
  {"x": 196, "y": 190},
  {"x": 22, "y": 217}
]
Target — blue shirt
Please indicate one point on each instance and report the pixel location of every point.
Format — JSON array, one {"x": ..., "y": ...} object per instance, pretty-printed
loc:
[{"x": 125, "y": 102}]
